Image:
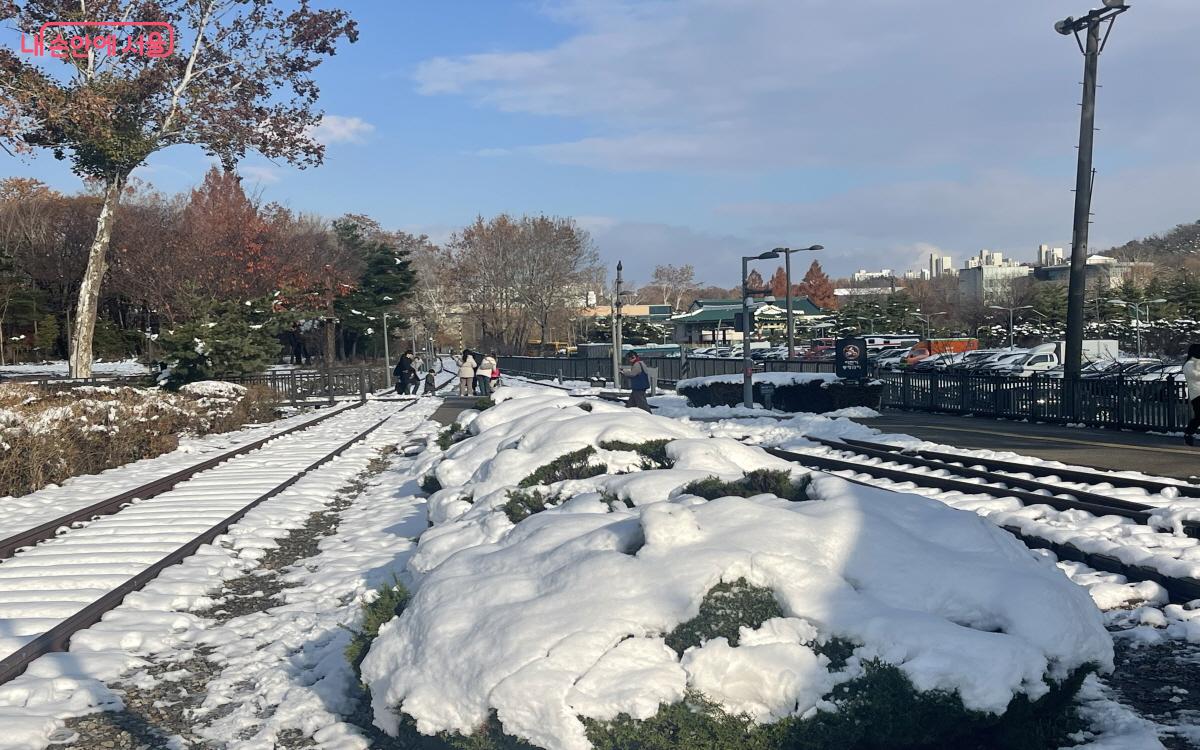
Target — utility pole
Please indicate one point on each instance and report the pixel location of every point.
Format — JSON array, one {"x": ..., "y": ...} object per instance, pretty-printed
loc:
[
  {"x": 618, "y": 291},
  {"x": 1084, "y": 178}
]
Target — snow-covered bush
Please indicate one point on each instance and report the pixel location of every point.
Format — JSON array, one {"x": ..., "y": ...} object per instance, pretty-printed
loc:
[
  {"x": 49, "y": 436},
  {"x": 817, "y": 393},
  {"x": 855, "y": 618}
]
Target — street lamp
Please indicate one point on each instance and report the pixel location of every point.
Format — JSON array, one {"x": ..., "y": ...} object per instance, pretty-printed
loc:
[
  {"x": 747, "y": 363},
  {"x": 787, "y": 270},
  {"x": 1137, "y": 308},
  {"x": 869, "y": 320},
  {"x": 1077, "y": 286},
  {"x": 387, "y": 357},
  {"x": 926, "y": 319},
  {"x": 1011, "y": 310}
]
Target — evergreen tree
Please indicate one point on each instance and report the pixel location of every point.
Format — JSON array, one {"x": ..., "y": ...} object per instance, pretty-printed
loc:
[
  {"x": 225, "y": 339},
  {"x": 47, "y": 337},
  {"x": 386, "y": 280}
]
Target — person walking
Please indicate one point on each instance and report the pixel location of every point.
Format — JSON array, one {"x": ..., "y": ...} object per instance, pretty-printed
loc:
[
  {"x": 404, "y": 372},
  {"x": 1191, "y": 373},
  {"x": 639, "y": 383},
  {"x": 483, "y": 376},
  {"x": 466, "y": 373}
]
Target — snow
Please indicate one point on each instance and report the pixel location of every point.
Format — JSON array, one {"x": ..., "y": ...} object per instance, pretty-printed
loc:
[
  {"x": 575, "y": 600},
  {"x": 31, "y": 510},
  {"x": 59, "y": 369},
  {"x": 775, "y": 378},
  {"x": 290, "y": 657},
  {"x": 214, "y": 389}
]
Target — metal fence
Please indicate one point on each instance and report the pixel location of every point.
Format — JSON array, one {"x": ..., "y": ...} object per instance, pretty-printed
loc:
[
  {"x": 298, "y": 386},
  {"x": 670, "y": 369},
  {"x": 1117, "y": 402}
]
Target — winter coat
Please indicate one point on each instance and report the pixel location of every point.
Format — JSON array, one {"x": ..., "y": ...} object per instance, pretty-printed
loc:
[
  {"x": 1191, "y": 373},
  {"x": 466, "y": 368},
  {"x": 405, "y": 370},
  {"x": 639, "y": 378},
  {"x": 487, "y": 367}
]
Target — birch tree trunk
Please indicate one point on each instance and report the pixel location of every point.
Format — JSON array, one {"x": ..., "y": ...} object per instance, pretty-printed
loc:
[{"x": 80, "y": 362}]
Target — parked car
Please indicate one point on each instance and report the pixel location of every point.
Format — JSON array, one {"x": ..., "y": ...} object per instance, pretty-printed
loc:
[{"x": 892, "y": 361}]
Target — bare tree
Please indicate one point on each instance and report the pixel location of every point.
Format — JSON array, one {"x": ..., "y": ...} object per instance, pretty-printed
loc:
[
  {"x": 674, "y": 283},
  {"x": 242, "y": 83},
  {"x": 555, "y": 258}
]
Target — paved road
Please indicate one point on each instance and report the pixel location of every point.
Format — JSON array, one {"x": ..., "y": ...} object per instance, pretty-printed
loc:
[{"x": 1113, "y": 450}]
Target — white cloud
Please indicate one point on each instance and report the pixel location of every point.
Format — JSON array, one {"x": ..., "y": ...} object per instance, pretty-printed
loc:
[
  {"x": 752, "y": 84},
  {"x": 338, "y": 129},
  {"x": 261, "y": 174}
]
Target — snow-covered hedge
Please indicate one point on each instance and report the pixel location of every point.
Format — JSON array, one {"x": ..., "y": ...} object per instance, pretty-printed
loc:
[
  {"x": 622, "y": 611},
  {"x": 815, "y": 392},
  {"x": 48, "y": 436}
]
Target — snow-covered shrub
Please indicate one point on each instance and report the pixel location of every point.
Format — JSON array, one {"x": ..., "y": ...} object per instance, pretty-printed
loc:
[
  {"x": 574, "y": 465},
  {"x": 757, "y": 482},
  {"x": 49, "y": 436},
  {"x": 653, "y": 452},
  {"x": 386, "y": 603},
  {"x": 629, "y": 613},
  {"x": 817, "y": 393}
]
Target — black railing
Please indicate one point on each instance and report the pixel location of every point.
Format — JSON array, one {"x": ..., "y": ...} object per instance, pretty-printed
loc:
[
  {"x": 299, "y": 386},
  {"x": 1103, "y": 402},
  {"x": 670, "y": 369}
]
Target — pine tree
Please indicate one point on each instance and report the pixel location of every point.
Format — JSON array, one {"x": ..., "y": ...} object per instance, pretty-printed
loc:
[
  {"x": 386, "y": 280},
  {"x": 47, "y": 337},
  {"x": 818, "y": 287}
]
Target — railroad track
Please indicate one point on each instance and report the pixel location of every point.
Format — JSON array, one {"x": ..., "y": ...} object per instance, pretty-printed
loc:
[
  {"x": 66, "y": 583},
  {"x": 48, "y": 529},
  {"x": 954, "y": 474}
]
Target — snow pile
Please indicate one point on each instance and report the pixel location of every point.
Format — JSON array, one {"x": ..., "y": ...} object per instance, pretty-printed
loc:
[
  {"x": 774, "y": 378},
  {"x": 566, "y": 614},
  {"x": 214, "y": 389}
]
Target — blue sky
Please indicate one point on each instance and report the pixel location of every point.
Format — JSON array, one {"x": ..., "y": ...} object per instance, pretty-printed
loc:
[{"x": 699, "y": 130}]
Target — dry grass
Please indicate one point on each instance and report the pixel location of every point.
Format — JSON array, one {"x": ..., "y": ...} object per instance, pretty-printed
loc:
[{"x": 47, "y": 437}]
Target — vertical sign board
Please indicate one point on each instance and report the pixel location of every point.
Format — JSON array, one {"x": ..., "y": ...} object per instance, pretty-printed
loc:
[{"x": 850, "y": 359}]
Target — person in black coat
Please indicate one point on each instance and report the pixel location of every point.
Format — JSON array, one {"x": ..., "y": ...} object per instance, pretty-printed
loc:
[{"x": 406, "y": 374}]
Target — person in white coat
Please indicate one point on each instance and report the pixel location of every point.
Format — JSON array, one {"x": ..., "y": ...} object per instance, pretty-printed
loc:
[
  {"x": 466, "y": 373},
  {"x": 1191, "y": 373},
  {"x": 483, "y": 376}
]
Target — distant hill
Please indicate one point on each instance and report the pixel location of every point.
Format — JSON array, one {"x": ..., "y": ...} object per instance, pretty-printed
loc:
[{"x": 1180, "y": 243}]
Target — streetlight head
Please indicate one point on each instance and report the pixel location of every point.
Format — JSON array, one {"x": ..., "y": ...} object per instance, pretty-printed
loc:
[
  {"x": 815, "y": 248},
  {"x": 1120, "y": 302},
  {"x": 1066, "y": 27},
  {"x": 1115, "y": 4},
  {"x": 997, "y": 307},
  {"x": 768, "y": 255},
  {"x": 1157, "y": 301}
]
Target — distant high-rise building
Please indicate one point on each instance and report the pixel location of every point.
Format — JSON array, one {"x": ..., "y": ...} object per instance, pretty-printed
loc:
[
  {"x": 1051, "y": 256},
  {"x": 991, "y": 259},
  {"x": 940, "y": 265}
]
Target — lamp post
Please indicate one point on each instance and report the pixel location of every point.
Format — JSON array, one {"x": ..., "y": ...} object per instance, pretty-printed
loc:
[
  {"x": 926, "y": 319},
  {"x": 387, "y": 357},
  {"x": 1010, "y": 310},
  {"x": 747, "y": 362},
  {"x": 1077, "y": 286},
  {"x": 787, "y": 271},
  {"x": 1137, "y": 308},
  {"x": 869, "y": 320}
]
